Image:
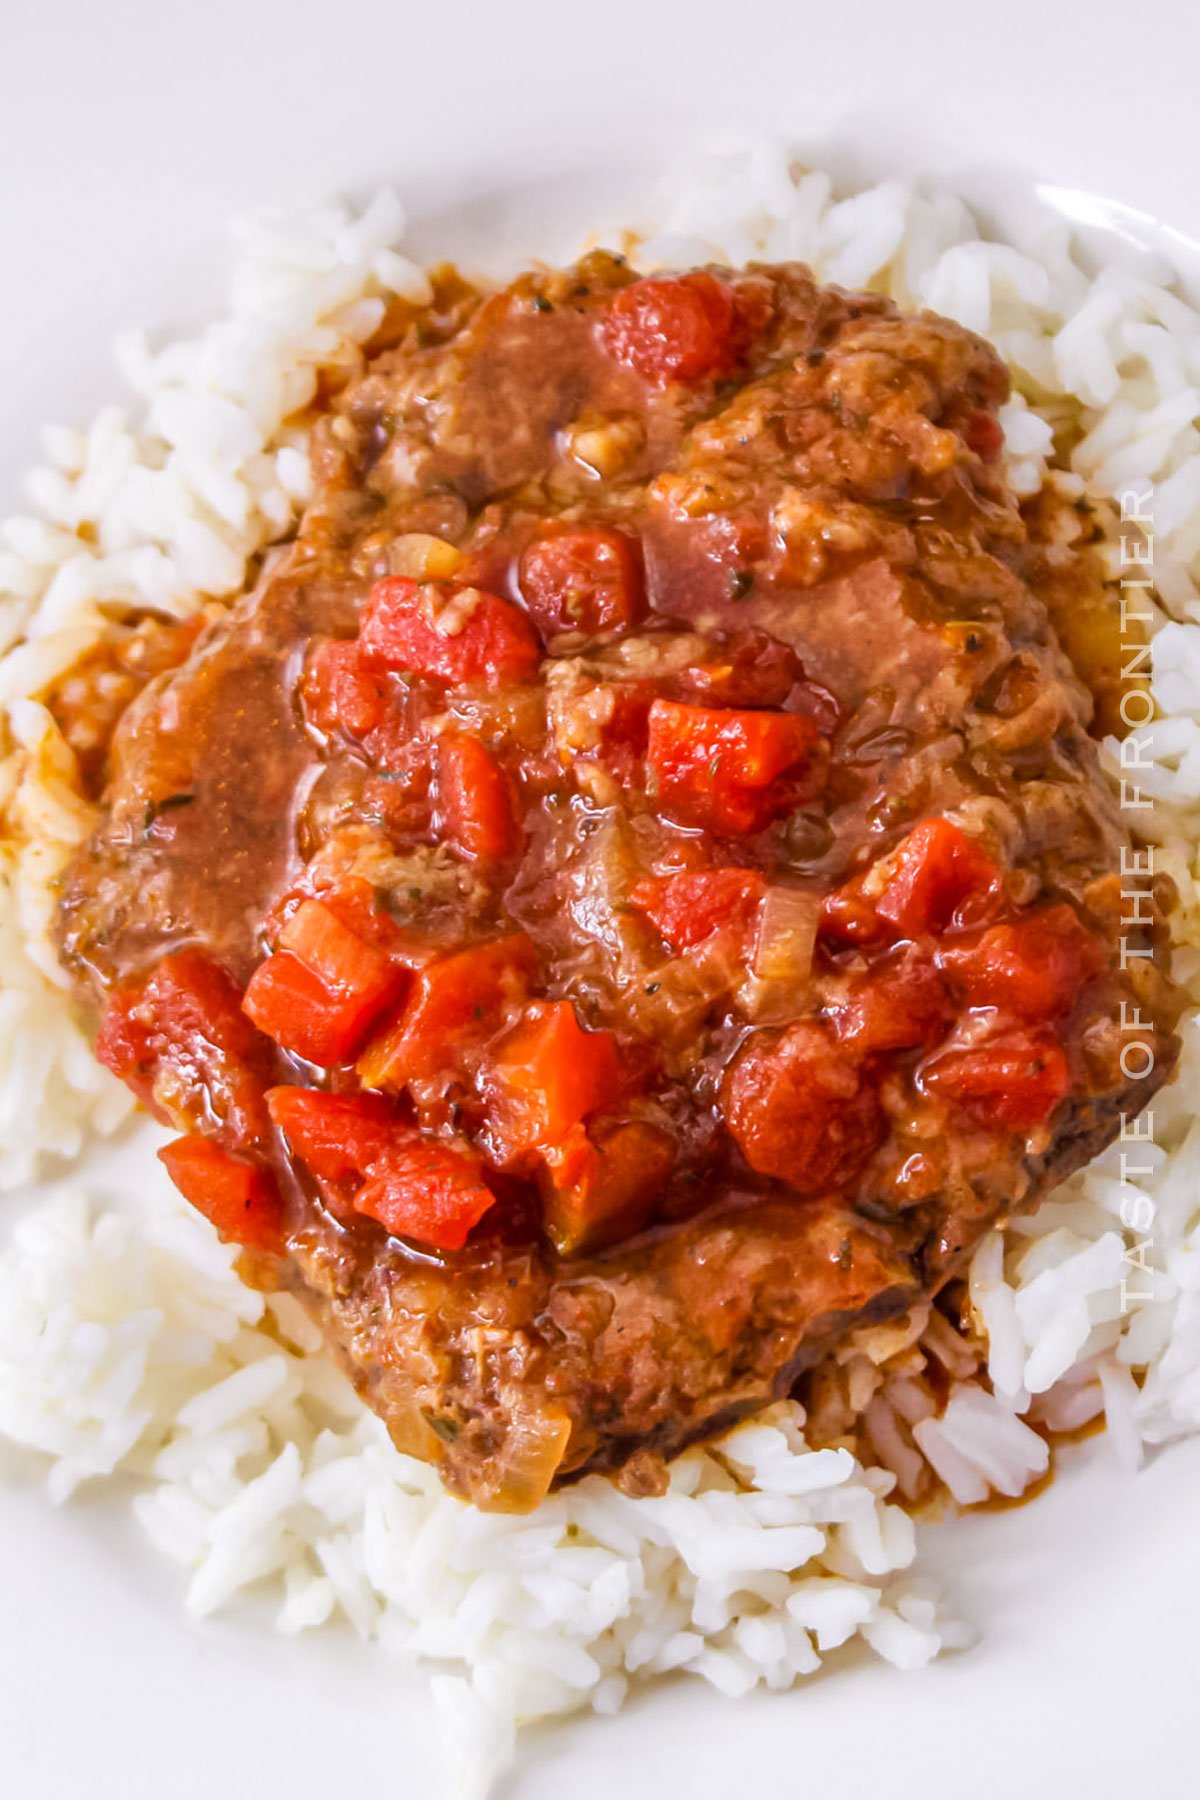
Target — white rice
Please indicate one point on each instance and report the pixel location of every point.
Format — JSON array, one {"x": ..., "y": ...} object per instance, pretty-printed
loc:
[{"x": 129, "y": 1347}]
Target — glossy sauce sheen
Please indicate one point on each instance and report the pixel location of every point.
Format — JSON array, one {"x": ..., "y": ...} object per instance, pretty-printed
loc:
[{"x": 812, "y": 632}]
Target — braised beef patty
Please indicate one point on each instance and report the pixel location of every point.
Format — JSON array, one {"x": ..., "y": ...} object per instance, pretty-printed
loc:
[{"x": 629, "y": 895}]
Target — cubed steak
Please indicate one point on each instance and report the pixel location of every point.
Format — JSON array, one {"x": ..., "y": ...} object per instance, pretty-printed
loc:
[{"x": 629, "y": 898}]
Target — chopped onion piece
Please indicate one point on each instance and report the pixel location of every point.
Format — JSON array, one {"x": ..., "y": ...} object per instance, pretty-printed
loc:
[
  {"x": 787, "y": 932},
  {"x": 528, "y": 1460},
  {"x": 423, "y": 558}
]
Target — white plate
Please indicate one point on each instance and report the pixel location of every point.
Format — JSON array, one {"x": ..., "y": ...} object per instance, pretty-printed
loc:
[{"x": 129, "y": 132}]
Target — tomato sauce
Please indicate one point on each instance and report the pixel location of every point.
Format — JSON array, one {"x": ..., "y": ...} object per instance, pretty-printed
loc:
[{"x": 628, "y": 895}]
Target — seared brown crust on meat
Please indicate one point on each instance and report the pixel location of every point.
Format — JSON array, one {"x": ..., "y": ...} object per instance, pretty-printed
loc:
[
  {"x": 645, "y": 1349},
  {"x": 895, "y": 562}
]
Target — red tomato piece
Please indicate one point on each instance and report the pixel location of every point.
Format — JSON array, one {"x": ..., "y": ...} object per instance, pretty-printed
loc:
[
  {"x": 938, "y": 877},
  {"x": 305, "y": 1015},
  {"x": 183, "y": 1044},
  {"x": 547, "y": 1076},
  {"x": 354, "y": 902},
  {"x": 625, "y": 732},
  {"x": 190, "y": 996},
  {"x": 687, "y": 908},
  {"x": 728, "y": 771},
  {"x": 984, "y": 434},
  {"x": 399, "y": 796},
  {"x": 848, "y": 915},
  {"x": 674, "y": 328},
  {"x": 600, "y": 1190},
  {"x": 474, "y": 800},
  {"x": 337, "y": 1135},
  {"x": 238, "y": 1197},
  {"x": 901, "y": 1003},
  {"x": 448, "y": 635},
  {"x": 124, "y": 1043},
  {"x": 456, "y": 1002},
  {"x": 582, "y": 578},
  {"x": 751, "y": 669},
  {"x": 1032, "y": 967},
  {"x": 429, "y": 1191},
  {"x": 1012, "y": 1082},
  {"x": 350, "y": 967},
  {"x": 338, "y": 693},
  {"x": 801, "y": 1109}
]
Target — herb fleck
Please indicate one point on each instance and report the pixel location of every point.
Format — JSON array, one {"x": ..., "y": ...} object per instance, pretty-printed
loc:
[
  {"x": 446, "y": 1429},
  {"x": 541, "y": 304},
  {"x": 740, "y": 583}
]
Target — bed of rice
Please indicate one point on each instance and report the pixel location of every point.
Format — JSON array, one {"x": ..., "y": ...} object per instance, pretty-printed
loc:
[{"x": 129, "y": 1349}]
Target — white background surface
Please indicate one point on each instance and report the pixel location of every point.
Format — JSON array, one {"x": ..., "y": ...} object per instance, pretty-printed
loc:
[{"x": 129, "y": 131}]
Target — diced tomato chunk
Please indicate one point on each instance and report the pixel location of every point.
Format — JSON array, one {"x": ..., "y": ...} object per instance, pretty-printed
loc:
[
  {"x": 456, "y": 1002},
  {"x": 399, "y": 795},
  {"x": 350, "y": 967},
  {"x": 750, "y": 669},
  {"x": 599, "y": 1190},
  {"x": 124, "y": 1043},
  {"x": 448, "y": 635},
  {"x": 801, "y": 1108},
  {"x": 937, "y": 878},
  {"x": 189, "y": 995},
  {"x": 474, "y": 800},
  {"x": 427, "y": 1190},
  {"x": 238, "y": 1197},
  {"x": 984, "y": 434},
  {"x": 622, "y": 725},
  {"x": 327, "y": 946},
  {"x": 674, "y": 328},
  {"x": 1013, "y": 1082},
  {"x": 305, "y": 1015},
  {"x": 183, "y": 1044},
  {"x": 354, "y": 902},
  {"x": 548, "y": 1075},
  {"x": 687, "y": 908},
  {"x": 731, "y": 772},
  {"x": 582, "y": 578},
  {"x": 338, "y": 693},
  {"x": 325, "y": 987},
  {"x": 848, "y": 915},
  {"x": 337, "y": 1135},
  {"x": 1032, "y": 967},
  {"x": 901, "y": 1003}
]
